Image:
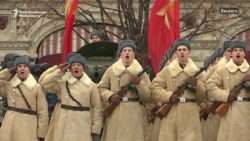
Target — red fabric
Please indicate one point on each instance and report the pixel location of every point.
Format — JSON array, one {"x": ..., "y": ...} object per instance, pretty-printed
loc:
[
  {"x": 70, "y": 9},
  {"x": 160, "y": 36}
]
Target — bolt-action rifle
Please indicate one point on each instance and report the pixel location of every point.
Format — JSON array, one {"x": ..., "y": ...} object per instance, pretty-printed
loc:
[
  {"x": 121, "y": 91},
  {"x": 205, "y": 111},
  {"x": 221, "y": 108},
  {"x": 162, "y": 64},
  {"x": 166, "y": 107},
  {"x": 224, "y": 106}
]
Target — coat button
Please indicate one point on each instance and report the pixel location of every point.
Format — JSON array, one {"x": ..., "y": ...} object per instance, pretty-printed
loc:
[
  {"x": 13, "y": 101},
  {"x": 67, "y": 97},
  {"x": 14, "y": 89}
]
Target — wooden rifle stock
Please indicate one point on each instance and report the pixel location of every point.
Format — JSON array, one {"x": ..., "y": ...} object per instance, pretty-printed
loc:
[
  {"x": 123, "y": 89},
  {"x": 224, "y": 106},
  {"x": 166, "y": 107},
  {"x": 221, "y": 107},
  {"x": 110, "y": 108}
]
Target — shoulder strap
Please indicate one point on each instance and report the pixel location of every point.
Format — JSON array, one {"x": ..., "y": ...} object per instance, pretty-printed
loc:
[
  {"x": 26, "y": 101},
  {"x": 67, "y": 87}
]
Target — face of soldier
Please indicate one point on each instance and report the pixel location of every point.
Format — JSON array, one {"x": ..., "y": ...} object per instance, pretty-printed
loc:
[
  {"x": 23, "y": 71},
  {"x": 127, "y": 55},
  {"x": 77, "y": 70},
  {"x": 238, "y": 55},
  {"x": 227, "y": 53},
  {"x": 182, "y": 53},
  {"x": 96, "y": 38}
]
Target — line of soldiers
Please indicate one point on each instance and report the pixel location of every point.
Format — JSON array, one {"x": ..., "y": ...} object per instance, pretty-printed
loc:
[{"x": 166, "y": 109}]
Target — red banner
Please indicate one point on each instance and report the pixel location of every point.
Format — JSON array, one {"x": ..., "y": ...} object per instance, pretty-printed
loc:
[
  {"x": 164, "y": 29},
  {"x": 70, "y": 10}
]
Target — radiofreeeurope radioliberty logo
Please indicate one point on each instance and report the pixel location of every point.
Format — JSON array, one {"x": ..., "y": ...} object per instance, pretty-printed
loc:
[{"x": 28, "y": 13}]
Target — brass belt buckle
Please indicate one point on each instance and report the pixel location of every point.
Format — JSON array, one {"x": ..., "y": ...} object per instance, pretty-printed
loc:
[
  {"x": 125, "y": 99},
  {"x": 182, "y": 100},
  {"x": 239, "y": 99}
]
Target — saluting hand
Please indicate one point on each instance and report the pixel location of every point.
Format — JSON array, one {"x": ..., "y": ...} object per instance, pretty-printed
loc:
[
  {"x": 12, "y": 70},
  {"x": 64, "y": 67}
]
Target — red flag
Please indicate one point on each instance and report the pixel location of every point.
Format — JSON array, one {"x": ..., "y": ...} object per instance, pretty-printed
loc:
[
  {"x": 164, "y": 29},
  {"x": 70, "y": 10}
]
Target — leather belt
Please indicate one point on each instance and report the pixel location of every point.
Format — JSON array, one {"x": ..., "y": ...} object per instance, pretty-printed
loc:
[
  {"x": 75, "y": 108},
  {"x": 126, "y": 99},
  {"x": 24, "y": 111},
  {"x": 185, "y": 100},
  {"x": 241, "y": 99}
]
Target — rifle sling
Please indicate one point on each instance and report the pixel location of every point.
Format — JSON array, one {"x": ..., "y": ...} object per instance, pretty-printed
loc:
[
  {"x": 26, "y": 101},
  {"x": 67, "y": 87}
]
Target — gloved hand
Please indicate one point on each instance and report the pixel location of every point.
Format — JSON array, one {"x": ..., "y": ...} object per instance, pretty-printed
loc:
[
  {"x": 192, "y": 81},
  {"x": 173, "y": 98},
  {"x": 246, "y": 77},
  {"x": 96, "y": 137},
  {"x": 231, "y": 97},
  {"x": 204, "y": 112},
  {"x": 115, "y": 98},
  {"x": 135, "y": 79},
  {"x": 41, "y": 139},
  {"x": 64, "y": 67},
  {"x": 12, "y": 70}
]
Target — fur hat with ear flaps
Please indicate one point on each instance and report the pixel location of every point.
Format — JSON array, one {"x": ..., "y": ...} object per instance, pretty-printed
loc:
[
  {"x": 95, "y": 33},
  {"x": 226, "y": 44},
  {"x": 182, "y": 41},
  {"x": 70, "y": 55},
  {"x": 238, "y": 44},
  {"x": 77, "y": 59},
  {"x": 125, "y": 43},
  {"x": 21, "y": 60}
]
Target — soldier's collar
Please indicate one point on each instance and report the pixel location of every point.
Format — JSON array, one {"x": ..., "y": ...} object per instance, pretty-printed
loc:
[{"x": 232, "y": 67}]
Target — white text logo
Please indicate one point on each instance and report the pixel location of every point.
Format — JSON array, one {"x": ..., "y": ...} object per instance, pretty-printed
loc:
[{"x": 28, "y": 13}]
